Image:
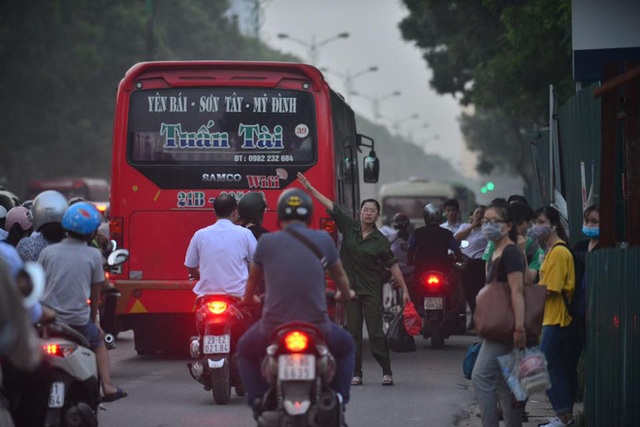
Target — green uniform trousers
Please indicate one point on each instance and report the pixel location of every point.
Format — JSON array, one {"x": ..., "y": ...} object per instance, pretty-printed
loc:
[{"x": 368, "y": 307}]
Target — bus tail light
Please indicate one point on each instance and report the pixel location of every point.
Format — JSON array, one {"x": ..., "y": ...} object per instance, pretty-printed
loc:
[
  {"x": 329, "y": 225},
  {"x": 115, "y": 230}
]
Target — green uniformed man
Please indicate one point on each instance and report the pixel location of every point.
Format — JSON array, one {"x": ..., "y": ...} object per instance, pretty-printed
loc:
[{"x": 365, "y": 254}]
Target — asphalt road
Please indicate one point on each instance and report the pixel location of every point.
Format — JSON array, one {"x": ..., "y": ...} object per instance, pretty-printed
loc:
[{"x": 429, "y": 390}]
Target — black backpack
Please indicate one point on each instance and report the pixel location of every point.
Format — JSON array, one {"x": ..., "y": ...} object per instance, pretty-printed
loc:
[{"x": 577, "y": 306}]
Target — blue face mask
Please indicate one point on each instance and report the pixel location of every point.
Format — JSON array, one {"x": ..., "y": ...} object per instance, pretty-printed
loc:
[
  {"x": 492, "y": 231},
  {"x": 591, "y": 232},
  {"x": 540, "y": 232}
]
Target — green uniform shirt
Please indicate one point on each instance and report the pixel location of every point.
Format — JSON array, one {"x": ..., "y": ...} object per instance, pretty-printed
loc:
[
  {"x": 364, "y": 260},
  {"x": 535, "y": 254}
]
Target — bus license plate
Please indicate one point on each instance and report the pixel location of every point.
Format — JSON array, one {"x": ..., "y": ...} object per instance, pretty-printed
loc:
[
  {"x": 56, "y": 395},
  {"x": 434, "y": 303},
  {"x": 296, "y": 367},
  {"x": 217, "y": 344}
]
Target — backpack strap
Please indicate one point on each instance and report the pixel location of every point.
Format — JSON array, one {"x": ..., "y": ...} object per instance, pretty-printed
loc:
[{"x": 309, "y": 244}]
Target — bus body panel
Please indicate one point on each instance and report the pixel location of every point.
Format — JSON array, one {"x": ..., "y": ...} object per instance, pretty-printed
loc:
[
  {"x": 156, "y": 206},
  {"x": 410, "y": 197}
]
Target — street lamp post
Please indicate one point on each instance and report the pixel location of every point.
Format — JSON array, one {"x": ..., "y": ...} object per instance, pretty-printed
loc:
[
  {"x": 395, "y": 124},
  {"x": 349, "y": 77},
  {"x": 313, "y": 46},
  {"x": 376, "y": 100},
  {"x": 412, "y": 131}
]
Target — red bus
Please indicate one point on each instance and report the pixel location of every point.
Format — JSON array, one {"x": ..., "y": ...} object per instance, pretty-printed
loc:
[
  {"x": 188, "y": 131},
  {"x": 93, "y": 189}
]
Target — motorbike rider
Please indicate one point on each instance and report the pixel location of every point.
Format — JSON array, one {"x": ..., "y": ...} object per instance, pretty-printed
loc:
[
  {"x": 295, "y": 291},
  {"x": 74, "y": 274},
  {"x": 47, "y": 211},
  {"x": 18, "y": 224},
  {"x": 251, "y": 208},
  {"x": 429, "y": 248},
  {"x": 218, "y": 255}
]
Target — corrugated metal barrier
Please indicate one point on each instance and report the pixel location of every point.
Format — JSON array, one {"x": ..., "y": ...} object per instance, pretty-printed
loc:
[
  {"x": 579, "y": 125},
  {"x": 612, "y": 395}
]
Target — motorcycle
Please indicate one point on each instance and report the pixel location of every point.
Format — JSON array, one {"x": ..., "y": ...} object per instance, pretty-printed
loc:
[
  {"x": 74, "y": 398},
  {"x": 441, "y": 318},
  {"x": 220, "y": 321},
  {"x": 299, "y": 368}
]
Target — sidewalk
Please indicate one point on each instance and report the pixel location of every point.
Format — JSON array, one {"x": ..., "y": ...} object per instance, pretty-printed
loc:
[{"x": 538, "y": 408}]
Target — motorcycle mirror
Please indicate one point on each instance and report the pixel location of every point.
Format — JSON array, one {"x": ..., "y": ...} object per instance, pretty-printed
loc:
[
  {"x": 36, "y": 276},
  {"x": 117, "y": 257},
  {"x": 464, "y": 244}
]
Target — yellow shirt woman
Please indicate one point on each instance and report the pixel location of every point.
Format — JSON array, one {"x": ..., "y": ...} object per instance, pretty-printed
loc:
[{"x": 558, "y": 275}]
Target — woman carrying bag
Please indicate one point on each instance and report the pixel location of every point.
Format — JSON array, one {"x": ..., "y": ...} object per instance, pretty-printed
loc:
[
  {"x": 365, "y": 253},
  {"x": 558, "y": 275},
  {"x": 505, "y": 265}
]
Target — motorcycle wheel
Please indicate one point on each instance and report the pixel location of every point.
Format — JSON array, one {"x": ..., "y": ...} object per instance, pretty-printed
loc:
[
  {"x": 221, "y": 384},
  {"x": 437, "y": 338},
  {"x": 295, "y": 421}
]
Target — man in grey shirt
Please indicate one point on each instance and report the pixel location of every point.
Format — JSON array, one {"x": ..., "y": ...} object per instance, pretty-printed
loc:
[
  {"x": 74, "y": 274},
  {"x": 295, "y": 291}
]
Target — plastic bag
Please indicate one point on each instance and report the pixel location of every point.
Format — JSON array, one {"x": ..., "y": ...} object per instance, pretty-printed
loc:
[
  {"x": 470, "y": 359},
  {"x": 412, "y": 320},
  {"x": 509, "y": 364},
  {"x": 532, "y": 371},
  {"x": 398, "y": 339},
  {"x": 525, "y": 372}
]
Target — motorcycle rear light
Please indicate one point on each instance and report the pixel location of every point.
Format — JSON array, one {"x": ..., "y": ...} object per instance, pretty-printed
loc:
[
  {"x": 59, "y": 350},
  {"x": 432, "y": 282},
  {"x": 217, "y": 307},
  {"x": 296, "y": 341}
]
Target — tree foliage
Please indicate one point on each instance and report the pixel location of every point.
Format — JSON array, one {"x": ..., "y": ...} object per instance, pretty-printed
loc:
[
  {"x": 60, "y": 64},
  {"x": 500, "y": 56}
]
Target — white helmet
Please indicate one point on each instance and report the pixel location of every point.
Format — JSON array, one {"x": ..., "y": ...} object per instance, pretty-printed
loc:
[{"x": 48, "y": 206}]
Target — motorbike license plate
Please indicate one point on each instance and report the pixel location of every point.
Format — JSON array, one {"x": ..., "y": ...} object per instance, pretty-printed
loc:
[
  {"x": 56, "y": 395},
  {"x": 433, "y": 303},
  {"x": 296, "y": 367},
  {"x": 217, "y": 344}
]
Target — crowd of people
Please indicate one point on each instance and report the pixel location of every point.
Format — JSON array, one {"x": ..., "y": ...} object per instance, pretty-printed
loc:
[{"x": 506, "y": 241}]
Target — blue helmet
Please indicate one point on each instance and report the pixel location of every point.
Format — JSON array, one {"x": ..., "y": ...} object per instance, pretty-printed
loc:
[{"x": 82, "y": 218}]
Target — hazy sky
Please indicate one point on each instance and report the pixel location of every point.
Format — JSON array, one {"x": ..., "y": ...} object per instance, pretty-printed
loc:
[{"x": 374, "y": 40}]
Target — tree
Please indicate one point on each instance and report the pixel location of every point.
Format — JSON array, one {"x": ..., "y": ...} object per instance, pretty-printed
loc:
[
  {"x": 60, "y": 64},
  {"x": 500, "y": 56}
]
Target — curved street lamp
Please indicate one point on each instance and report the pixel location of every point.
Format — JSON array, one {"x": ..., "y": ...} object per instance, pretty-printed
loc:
[
  {"x": 349, "y": 77},
  {"x": 376, "y": 100},
  {"x": 313, "y": 45}
]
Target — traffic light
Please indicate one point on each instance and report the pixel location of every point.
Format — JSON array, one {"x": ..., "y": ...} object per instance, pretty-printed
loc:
[{"x": 489, "y": 186}]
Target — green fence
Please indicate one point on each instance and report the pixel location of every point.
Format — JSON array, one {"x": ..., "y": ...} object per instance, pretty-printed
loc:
[
  {"x": 579, "y": 129},
  {"x": 613, "y": 338}
]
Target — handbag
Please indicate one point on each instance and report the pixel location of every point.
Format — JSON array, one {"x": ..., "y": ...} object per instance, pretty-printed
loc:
[
  {"x": 398, "y": 339},
  {"x": 493, "y": 317}
]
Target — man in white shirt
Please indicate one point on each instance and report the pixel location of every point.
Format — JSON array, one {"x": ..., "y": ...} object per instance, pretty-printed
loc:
[
  {"x": 451, "y": 210},
  {"x": 219, "y": 255}
]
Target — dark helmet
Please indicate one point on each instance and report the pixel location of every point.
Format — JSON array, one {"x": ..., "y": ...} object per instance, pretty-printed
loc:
[
  {"x": 400, "y": 221},
  {"x": 432, "y": 213},
  {"x": 294, "y": 203},
  {"x": 251, "y": 206}
]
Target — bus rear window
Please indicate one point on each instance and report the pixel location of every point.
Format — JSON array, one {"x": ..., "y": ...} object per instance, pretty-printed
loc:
[
  {"x": 411, "y": 206},
  {"x": 221, "y": 126}
]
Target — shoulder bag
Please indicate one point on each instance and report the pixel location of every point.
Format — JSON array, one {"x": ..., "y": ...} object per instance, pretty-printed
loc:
[
  {"x": 309, "y": 244},
  {"x": 494, "y": 319}
]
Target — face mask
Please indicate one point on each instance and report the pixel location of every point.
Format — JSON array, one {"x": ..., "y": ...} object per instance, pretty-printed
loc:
[
  {"x": 591, "y": 232},
  {"x": 540, "y": 232},
  {"x": 491, "y": 231}
]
